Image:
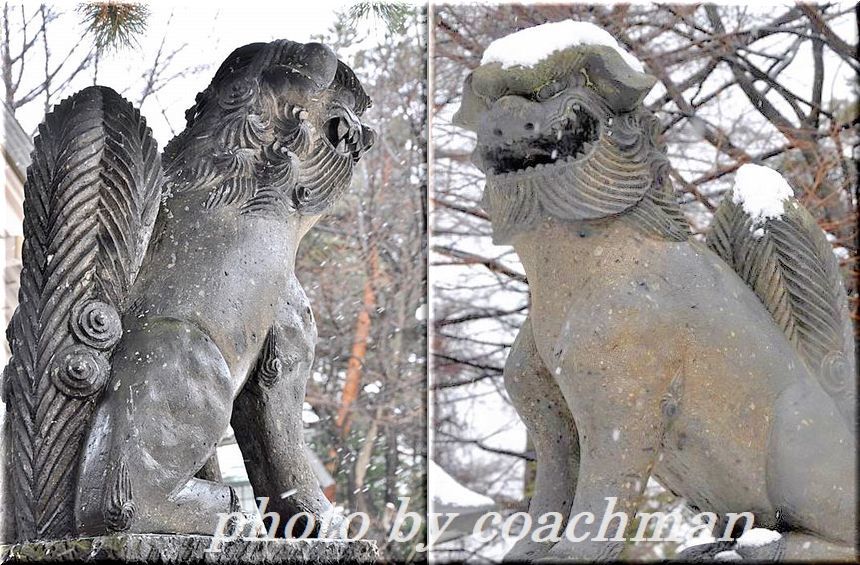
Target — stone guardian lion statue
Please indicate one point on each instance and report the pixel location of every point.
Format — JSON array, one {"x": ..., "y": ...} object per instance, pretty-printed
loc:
[
  {"x": 158, "y": 308},
  {"x": 725, "y": 370}
]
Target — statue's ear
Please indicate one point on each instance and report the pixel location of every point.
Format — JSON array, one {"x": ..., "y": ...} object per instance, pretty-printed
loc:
[
  {"x": 622, "y": 86},
  {"x": 471, "y": 107}
]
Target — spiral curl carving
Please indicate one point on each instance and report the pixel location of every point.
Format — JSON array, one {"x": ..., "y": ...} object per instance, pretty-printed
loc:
[
  {"x": 96, "y": 324},
  {"x": 270, "y": 371},
  {"x": 834, "y": 372},
  {"x": 120, "y": 508},
  {"x": 78, "y": 371},
  {"x": 240, "y": 94}
]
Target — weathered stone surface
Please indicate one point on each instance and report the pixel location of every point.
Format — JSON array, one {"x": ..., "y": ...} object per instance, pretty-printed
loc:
[
  {"x": 159, "y": 302},
  {"x": 726, "y": 371},
  {"x": 165, "y": 548}
]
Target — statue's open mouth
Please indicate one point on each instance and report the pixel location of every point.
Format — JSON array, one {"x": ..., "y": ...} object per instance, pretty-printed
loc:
[
  {"x": 339, "y": 134},
  {"x": 567, "y": 139},
  {"x": 345, "y": 133}
]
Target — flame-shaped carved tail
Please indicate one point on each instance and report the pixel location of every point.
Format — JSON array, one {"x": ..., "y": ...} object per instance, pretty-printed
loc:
[
  {"x": 91, "y": 198},
  {"x": 790, "y": 265}
]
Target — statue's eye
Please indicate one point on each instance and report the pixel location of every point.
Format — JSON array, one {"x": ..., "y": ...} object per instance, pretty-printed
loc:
[{"x": 547, "y": 91}]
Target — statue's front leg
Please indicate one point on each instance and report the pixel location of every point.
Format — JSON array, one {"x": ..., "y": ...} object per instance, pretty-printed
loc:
[
  {"x": 267, "y": 421},
  {"x": 541, "y": 405},
  {"x": 622, "y": 423}
]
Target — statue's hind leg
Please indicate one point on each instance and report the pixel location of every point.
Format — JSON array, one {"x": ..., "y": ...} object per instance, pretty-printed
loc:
[
  {"x": 811, "y": 476},
  {"x": 160, "y": 420},
  {"x": 267, "y": 420},
  {"x": 542, "y": 407}
]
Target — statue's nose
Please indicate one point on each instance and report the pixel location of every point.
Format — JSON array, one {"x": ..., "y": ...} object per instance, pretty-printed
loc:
[{"x": 510, "y": 118}]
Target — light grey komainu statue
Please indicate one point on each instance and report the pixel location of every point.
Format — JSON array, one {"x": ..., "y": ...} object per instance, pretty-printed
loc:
[
  {"x": 156, "y": 309},
  {"x": 724, "y": 369}
]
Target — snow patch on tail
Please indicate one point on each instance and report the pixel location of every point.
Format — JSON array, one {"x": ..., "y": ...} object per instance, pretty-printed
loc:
[{"x": 762, "y": 192}]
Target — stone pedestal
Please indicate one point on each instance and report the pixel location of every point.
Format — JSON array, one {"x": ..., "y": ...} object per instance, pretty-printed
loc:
[{"x": 172, "y": 548}]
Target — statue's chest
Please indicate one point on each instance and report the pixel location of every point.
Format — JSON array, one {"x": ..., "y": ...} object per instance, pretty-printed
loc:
[
  {"x": 294, "y": 323},
  {"x": 589, "y": 326},
  {"x": 572, "y": 302},
  {"x": 568, "y": 321}
]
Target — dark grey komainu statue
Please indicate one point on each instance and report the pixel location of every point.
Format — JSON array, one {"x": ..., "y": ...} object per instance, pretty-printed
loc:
[
  {"x": 723, "y": 369},
  {"x": 157, "y": 308}
]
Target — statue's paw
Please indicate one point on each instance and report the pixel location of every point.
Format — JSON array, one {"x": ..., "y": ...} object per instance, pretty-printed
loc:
[
  {"x": 527, "y": 550},
  {"x": 332, "y": 524},
  {"x": 588, "y": 550},
  {"x": 245, "y": 524},
  {"x": 255, "y": 527}
]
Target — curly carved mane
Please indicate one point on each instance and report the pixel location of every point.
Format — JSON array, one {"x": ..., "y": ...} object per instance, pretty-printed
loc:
[
  {"x": 658, "y": 212},
  {"x": 625, "y": 175},
  {"x": 248, "y": 140}
]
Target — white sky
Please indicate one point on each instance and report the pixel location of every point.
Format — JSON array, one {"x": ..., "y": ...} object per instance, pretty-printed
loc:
[{"x": 211, "y": 29}]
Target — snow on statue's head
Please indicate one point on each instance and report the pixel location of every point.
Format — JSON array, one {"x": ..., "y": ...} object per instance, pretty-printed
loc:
[
  {"x": 561, "y": 129},
  {"x": 277, "y": 130}
]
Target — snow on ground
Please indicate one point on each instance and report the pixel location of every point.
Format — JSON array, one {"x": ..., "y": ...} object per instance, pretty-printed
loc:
[
  {"x": 231, "y": 462},
  {"x": 762, "y": 192},
  {"x": 757, "y": 537},
  {"x": 529, "y": 46},
  {"x": 685, "y": 528},
  {"x": 728, "y": 556},
  {"x": 445, "y": 490}
]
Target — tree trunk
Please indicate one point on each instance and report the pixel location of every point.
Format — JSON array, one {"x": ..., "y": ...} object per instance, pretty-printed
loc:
[
  {"x": 362, "y": 463},
  {"x": 352, "y": 385}
]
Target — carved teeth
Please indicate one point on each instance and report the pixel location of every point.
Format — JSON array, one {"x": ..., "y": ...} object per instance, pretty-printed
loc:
[{"x": 342, "y": 129}]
